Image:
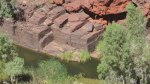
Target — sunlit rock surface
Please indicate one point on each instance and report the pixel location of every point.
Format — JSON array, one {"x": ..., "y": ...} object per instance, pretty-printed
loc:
[{"x": 58, "y": 25}]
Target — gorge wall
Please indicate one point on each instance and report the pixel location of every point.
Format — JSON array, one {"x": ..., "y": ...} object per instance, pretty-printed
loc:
[{"x": 54, "y": 26}]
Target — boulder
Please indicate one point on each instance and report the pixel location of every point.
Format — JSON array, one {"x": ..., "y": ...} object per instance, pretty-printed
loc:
[
  {"x": 48, "y": 22},
  {"x": 89, "y": 27},
  {"x": 74, "y": 6},
  {"x": 75, "y": 25},
  {"x": 36, "y": 21},
  {"x": 61, "y": 20},
  {"x": 97, "y": 25},
  {"x": 82, "y": 16},
  {"x": 73, "y": 18}
]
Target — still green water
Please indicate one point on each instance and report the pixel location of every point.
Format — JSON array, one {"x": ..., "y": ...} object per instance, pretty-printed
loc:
[{"x": 32, "y": 58}]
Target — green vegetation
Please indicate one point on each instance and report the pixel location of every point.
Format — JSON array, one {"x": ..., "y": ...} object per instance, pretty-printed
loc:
[
  {"x": 14, "y": 68},
  {"x": 80, "y": 56},
  {"x": 125, "y": 51},
  {"x": 66, "y": 55},
  {"x": 49, "y": 72},
  {"x": 139, "y": 47},
  {"x": 83, "y": 80},
  {"x": 98, "y": 48},
  {"x": 10, "y": 64},
  {"x": 83, "y": 56},
  {"x": 53, "y": 72},
  {"x": 2, "y": 74},
  {"x": 7, "y": 8},
  {"x": 116, "y": 62},
  {"x": 7, "y": 50}
]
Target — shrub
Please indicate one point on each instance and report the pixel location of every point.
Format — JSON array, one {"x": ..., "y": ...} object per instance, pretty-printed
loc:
[
  {"x": 83, "y": 56},
  {"x": 67, "y": 55},
  {"x": 80, "y": 56},
  {"x": 52, "y": 68},
  {"x": 14, "y": 68},
  {"x": 50, "y": 72}
]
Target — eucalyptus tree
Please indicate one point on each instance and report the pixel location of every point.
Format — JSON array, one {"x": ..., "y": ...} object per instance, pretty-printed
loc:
[
  {"x": 125, "y": 51},
  {"x": 115, "y": 65},
  {"x": 139, "y": 47},
  {"x": 10, "y": 64}
]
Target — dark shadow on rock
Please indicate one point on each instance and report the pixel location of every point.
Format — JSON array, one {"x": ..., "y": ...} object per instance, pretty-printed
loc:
[
  {"x": 148, "y": 24},
  {"x": 14, "y": 28},
  {"x": 110, "y": 18},
  {"x": 19, "y": 15}
]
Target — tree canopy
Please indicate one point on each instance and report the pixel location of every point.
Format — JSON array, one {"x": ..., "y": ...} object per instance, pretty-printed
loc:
[{"x": 125, "y": 51}]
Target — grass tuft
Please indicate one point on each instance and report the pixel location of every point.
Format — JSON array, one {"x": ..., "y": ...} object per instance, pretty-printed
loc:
[
  {"x": 84, "y": 56},
  {"x": 67, "y": 55}
]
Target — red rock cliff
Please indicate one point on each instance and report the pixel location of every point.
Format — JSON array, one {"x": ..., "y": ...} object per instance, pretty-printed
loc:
[
  {"x": 103, "y": 7},
  {"x": 76, "y": 23}
]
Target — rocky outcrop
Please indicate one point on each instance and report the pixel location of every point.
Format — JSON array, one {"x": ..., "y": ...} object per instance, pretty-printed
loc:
[
  {"x": 99, "y": 7},
  {"x": 103, "y": 7},
  {"x": 75, "y": 24},
  {"x": 144, "y": 5},
  {"x": 48, "y": 22}
]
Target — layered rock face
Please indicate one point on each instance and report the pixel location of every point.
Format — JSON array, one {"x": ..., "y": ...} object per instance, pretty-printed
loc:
[{"x": 75, "y": 23}]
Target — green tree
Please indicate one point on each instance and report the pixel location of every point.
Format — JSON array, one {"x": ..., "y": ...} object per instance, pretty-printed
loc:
[
  {"x": 125, "y": 51},
  {"x": 7, "y": 49},
  {"x": 10, "y": 64},
  {"x": 139, "y": 47},
  {"x": 115, "y": 66},
  {"x": 14, "y": 68},
  {"x": 7, "y": 8}
]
